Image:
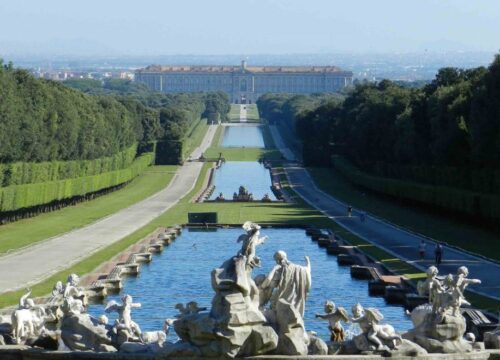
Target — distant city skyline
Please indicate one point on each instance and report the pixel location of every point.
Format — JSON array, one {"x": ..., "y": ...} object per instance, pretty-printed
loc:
[{"x": 154, "y": 27}]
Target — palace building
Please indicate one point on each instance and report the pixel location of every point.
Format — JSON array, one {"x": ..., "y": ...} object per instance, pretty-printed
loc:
[{"x": 244, "y": 84}]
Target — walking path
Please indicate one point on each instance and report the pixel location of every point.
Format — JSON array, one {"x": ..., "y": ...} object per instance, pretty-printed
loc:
[
  {"x": 243, "y": 113},
  {"x": 395, "y": 240},
  {"x": 30, "y": 265},
  {"x": 280, "y": 144}
]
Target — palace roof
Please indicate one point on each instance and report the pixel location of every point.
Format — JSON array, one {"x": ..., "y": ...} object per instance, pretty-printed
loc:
[{"x": 238, "y": 69}]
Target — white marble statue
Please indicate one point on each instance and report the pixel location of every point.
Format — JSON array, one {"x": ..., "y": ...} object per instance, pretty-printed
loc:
[
  {"x": 124, "y": 321},
  {"x": 440, "y": 327},
  {"x": 431, "y": 283},
  {"x": 461, "y": 282},
  {"x": 70, "y": 289},
  {"x": 28, "y": 321},
  {"x": 290, "y": 282},
  {"x": 250, "y": 242},
  {"x": 368, "y": 321},
  {"x": 334, "y": 316},
  {"x": 73, "y": 290}
]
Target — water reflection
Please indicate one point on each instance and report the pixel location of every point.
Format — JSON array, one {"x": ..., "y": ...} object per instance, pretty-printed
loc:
[
  {"x": 251, "y": 174},
  {"x": 182, "y": 273},
  {"x": 243, "y": 136}
]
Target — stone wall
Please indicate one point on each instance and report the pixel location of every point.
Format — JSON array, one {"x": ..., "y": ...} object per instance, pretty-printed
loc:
[{"x": 14, "y": 352}]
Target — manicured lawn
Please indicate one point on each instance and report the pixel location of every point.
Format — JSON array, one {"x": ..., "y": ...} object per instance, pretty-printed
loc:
[
  {"x": 252, "y": 112},
  {"x": 464, "y": 235},
  {"x": 195, "y": 137},
  {"x": 243, "y": 154},
  {"x": 28, "y": 231},
  {"x": 234, "y": 113}
]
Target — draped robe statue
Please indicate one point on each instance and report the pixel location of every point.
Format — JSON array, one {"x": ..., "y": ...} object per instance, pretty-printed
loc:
[{"x": 290, "y": 282}]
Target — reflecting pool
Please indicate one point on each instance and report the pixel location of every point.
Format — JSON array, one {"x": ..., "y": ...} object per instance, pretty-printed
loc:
[
  {"x": 182, "y": 273},
  {"x": 243, "y": 136},
  {"x": 252, "y": 175}
]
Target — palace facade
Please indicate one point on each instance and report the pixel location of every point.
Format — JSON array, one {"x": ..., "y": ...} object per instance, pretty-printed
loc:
[{"x": 244, "y": 84}]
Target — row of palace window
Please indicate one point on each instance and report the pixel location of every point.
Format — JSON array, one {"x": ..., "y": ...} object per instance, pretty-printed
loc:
[{"x": 302, "y": 83}]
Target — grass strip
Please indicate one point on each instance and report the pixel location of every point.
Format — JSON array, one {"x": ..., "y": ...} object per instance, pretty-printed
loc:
[{"x": 195, "y": 137}]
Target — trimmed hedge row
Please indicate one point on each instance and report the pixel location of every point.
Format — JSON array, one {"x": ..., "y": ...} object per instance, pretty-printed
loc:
[
  {"x": 479, "y": 180},
  {"x": 20, "y": 173},
  {"x": 457, "y": 200},
  {"x": 17, "y": 197}
]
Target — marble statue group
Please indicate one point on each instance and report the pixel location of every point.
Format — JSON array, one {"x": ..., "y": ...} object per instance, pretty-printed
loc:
[{"x": 248, "y": 316}]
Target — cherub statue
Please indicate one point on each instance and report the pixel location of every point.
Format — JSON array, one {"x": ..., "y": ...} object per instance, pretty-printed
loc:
[
  {"x": 73, "y": 306},
  {"x": 368, "y": 320},
  {"x": 191, "y": 308},
  {"x": 25, "y": 302},
  {"x": 334, "y": 317},
  {"x": 57, "y": 293},
  {"x": 461, "y": 281},
  {"x": 250, "y": 242},
  {"x": 28, "y": 320},
  {"x": 449, "y": 298},
  {"x": 73, "y": 290},
  {"x": 124, "y": 310},
  {"x": 430, "y": 285}
]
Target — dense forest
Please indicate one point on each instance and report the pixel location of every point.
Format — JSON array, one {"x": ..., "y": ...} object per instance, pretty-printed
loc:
[
  {"x": 446, "y": 133},
  {"x": 166, "y": 118},
  {"x": 60, "y": 141},
  {"x": 43, "y": 120}
]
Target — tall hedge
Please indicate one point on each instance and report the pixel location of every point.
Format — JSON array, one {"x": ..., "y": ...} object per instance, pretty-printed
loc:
[
  {"x": 485, "y": 180},
  {"x": 452, "y": 199},
  {"x": 169, "y": 152},
  {"x": 16, "y": 197},
  {"x": 31, "y": 173}
]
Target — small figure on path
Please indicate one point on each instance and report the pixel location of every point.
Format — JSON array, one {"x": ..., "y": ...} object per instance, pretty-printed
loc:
[
  {"x": 421, "y": 249},
  {"x": 349, "y": 210},
  {"x": 334, "y": 317},
  {"x": 438, "y": 254}
]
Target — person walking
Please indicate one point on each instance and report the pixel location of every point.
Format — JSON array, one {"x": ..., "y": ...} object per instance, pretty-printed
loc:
[
  {"x": 438, "y": 254},
  {"x": 421, "y": 249},
  {"x": 349, "y": 210}
]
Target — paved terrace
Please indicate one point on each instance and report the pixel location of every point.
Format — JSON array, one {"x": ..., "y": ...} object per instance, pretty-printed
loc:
[
  {"x": 395, "y": 240},
  {"x": 243, "y": 113},
  {"x": 30, "y": 265}
]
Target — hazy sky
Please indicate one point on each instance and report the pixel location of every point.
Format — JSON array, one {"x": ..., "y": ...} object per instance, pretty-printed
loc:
[{"x": 130, "y": 27}]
